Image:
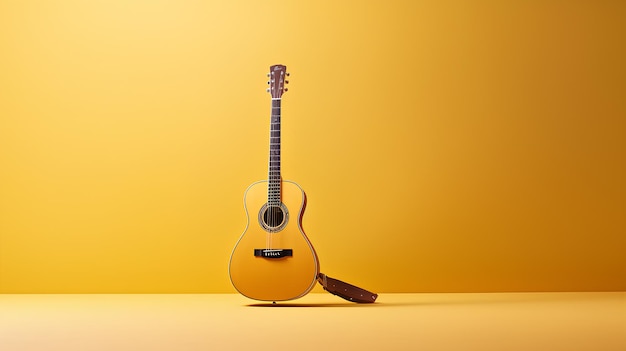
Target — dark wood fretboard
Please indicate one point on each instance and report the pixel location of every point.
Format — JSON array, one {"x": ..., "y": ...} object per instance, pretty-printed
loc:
[{"x": 274, "y": 180}]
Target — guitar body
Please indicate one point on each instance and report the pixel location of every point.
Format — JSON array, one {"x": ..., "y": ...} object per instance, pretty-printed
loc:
[{"x": 273, "y": 259}]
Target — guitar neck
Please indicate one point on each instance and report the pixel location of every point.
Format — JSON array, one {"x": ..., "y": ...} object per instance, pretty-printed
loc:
[
  {"x": 277, "y": 75},
  {"x": 274, "y": 178}
]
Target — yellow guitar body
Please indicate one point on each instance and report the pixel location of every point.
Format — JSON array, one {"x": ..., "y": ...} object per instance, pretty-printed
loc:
[{"x": 273, "y": 259}]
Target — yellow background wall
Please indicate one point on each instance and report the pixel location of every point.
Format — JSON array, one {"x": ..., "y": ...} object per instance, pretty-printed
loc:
[{"x": 443, "y": 145}]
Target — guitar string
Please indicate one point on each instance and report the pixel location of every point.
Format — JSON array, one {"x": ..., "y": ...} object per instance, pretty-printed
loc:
[
  {"x": 271, "y": 185},
  {"x": 269, "y": 180},
  {"x": 273, "y": 170},
  {"x": 268, "y": 209}
]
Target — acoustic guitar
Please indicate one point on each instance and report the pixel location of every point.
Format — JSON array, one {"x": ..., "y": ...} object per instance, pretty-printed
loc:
[{"x": 273, "y": 259}]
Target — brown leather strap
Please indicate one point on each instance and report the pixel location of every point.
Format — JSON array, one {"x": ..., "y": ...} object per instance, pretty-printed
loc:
[{"x": 345, "y": 290}]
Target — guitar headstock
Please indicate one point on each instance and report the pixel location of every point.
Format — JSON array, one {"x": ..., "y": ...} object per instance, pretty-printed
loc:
[{"x": 277, "y": 82}]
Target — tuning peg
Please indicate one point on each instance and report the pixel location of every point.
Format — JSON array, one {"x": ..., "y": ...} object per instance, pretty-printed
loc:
[
  {"x": 267, "y": 90},
  {"x": 286, "y": 89},
  {"x": 268, "y": 82},
  {"x": 287, "y": 74},
  {"x": 286, "y": 82},
  {"x": 268, "y": 74}
]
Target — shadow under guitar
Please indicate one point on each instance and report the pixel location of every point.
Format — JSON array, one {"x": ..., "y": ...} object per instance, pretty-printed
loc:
[{"x": 295, "y": 305}]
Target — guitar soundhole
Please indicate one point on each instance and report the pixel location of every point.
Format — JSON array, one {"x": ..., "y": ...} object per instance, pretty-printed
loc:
[{"x": 273, "y": 218}]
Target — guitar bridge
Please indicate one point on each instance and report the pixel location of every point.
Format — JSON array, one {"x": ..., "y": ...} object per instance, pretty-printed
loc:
[{"x": 273, "y": 253}]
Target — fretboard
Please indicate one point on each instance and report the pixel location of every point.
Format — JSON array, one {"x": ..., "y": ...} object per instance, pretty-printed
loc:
[{"x": 273, "y": 193}]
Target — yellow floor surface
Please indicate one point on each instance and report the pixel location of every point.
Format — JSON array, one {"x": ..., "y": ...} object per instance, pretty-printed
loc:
[{"x": 495, "y": 321}]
